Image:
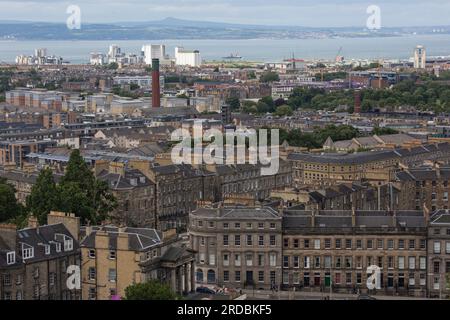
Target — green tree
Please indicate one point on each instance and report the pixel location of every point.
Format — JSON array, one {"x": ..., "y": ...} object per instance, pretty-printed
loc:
[
  {"x": 284, "y": 111},
  {"x": 77, "y": 171},
  {"x": 113, "y": 66},
  {"x": 134, "y": 86},
  {"x": 270, "y": 76},
  {"x": 9, "y": 208},
  {"x": 383, "y": 131},
  {"x": 234, "y": 103},
  {"x": 43, "y": 196},
  {"x": 249, "y": 107},
  {"x": 82, "y": 194},
  {"x": 151, "y": 290}
]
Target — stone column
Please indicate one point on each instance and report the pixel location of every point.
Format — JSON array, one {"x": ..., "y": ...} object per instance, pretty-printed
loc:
[
  {"x": 173, "y": 279},
  {"x": 182, "y": 279},
  {"x": 187, "y": 275},
  {"x": 192, "y": 276}
]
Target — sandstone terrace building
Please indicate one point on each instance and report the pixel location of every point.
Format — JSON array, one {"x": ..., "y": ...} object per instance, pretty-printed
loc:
[
  {"x": 115, "y": 258},
  {"x": 374, "y": 166},
  {"x": 343, "y": 196},
  {"x": 424, "y": 187},
  {"x": 439, "y": 254},
  {"x": 239, "y": 248},
  {"x": 34, "y": 260},
  {"x": 338, "y": 246},
  {"x": 236, "y": 247}
]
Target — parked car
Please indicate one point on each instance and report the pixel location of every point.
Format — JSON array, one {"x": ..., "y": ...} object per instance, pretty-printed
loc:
[{"x": 205, "y": 290}]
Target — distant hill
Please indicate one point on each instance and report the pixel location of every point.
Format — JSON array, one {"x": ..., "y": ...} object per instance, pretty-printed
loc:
[{"x": 172, "y": 28}]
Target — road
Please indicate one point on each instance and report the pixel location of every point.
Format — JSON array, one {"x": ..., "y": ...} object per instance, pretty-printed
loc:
[{"x": 303, "y": 295}]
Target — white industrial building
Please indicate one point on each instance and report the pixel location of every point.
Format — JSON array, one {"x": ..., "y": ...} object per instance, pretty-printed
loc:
[
  {"x": 190, "y": 58},
  {"x": 154, "y": 51},
  {"x": 145, "y": 82}
]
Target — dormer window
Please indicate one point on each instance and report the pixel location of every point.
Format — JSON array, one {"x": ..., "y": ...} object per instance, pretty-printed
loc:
[
  {"x": 47, "y": 249},
  {"x": 58, "y": 247},
  {"x": 28, "y": 252},
  {"x": 68, "y": 244},
  {"x": 11, "y": 258}
]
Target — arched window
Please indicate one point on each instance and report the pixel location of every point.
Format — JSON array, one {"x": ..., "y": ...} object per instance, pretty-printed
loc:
[
  {"x": 211, "y": 276},
  {"x": 199, "y": 275}
]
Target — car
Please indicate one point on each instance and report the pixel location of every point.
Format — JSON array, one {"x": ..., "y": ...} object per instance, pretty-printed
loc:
[
  {"x": 365, "y": 297},
  {"x": 205, "y": 290}
]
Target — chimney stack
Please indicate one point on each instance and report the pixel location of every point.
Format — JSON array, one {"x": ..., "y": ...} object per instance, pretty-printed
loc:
[
  {"x": 156, "y": 89},
  {"x": 357, "y": 108}
]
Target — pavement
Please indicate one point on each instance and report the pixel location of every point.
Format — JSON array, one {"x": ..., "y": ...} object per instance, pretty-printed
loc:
[{"x": 310, "y": 295}]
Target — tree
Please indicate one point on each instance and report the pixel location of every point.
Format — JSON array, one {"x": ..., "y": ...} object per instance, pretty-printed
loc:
[
  {"x": 77, "y": 171},
  {"x": 43, "y": 196},
  {"x": 249, "y": 107},
  {"x": 280, "y": 102},
  {"x": 9, "y": 208},
  {"x": 268, "y": 103},
  {"x": 134, "y": 86},
  {"x": 234, "y": 103},
  {"x": 383, "y": 131},
  {"x": 81, "y": 193},
  {"x": 151, "y": 290},
  {"x": 284, "y": 111},
  {"x": 270, "y": 76},
  {"x": 113, "y": 66}
]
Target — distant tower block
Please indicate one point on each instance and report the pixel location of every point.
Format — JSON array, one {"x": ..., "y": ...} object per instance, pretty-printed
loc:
[
  {"x": 156, "y": 87},
  {"x": 357, "y": 108}
]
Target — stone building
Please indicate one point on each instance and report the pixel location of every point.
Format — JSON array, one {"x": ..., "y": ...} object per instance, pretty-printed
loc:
[
  {"x": 135, "y": 195},
  {"x": 236, "y": 247},
  {"x": 439, "y": 255},
  {"x": 345, "y": 196},
  {"x": 177, "y": 190},
  {"x": 115, "y": 258},
  {"x": 374, "y": 166},
  {"x": 21, "y": 180},
  {"x": 331, "y": 169},
  {"x": 232, "y": 180},
  {"x": 34, "y": 261},
  {"x": 336, "y": 247},
  {"x": 423, "y": 187}
]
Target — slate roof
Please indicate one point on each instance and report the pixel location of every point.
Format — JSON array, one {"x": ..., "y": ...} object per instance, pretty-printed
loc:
[
  {"x": 138, "y": 238},
  {"x": 440, "y": 217},
  {"x": 424, "y": 174},
  {"x": 237, "y": 213},
  {"x": 38, "y": 238},
  {"x": 116, "y": 181},
  {"x": 369, "y": 156},
  {"x": 296, "y": 219},
  {"x": 343, "y": 158},
  {"x": 174, "y": 254}
]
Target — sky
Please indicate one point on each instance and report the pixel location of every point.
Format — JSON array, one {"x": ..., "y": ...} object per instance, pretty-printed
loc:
[{"x": 313, "y": 13}]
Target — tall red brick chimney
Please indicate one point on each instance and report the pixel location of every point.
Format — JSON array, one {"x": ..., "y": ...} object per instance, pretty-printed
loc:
[
  {"x": 357, "y": 108},
  {"x": 156, "y": 88}
]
